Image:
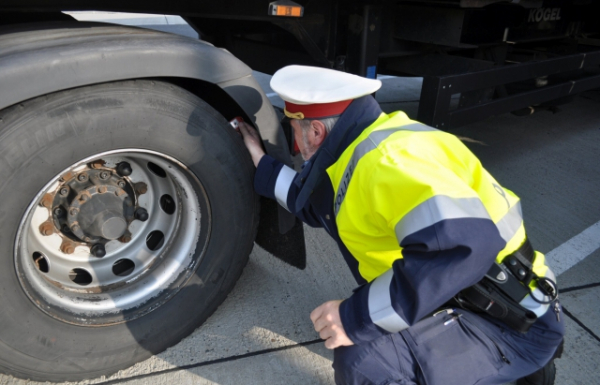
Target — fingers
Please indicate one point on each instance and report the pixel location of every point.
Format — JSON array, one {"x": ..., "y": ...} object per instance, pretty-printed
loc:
[
  {"x": 332, "y": 343},
  {"x": 252, "y": 142},
  {"x": 243, "y": 129},
  {"x": 321, "y": 323},
  {"x": 329, "y": 331},
  {"x": 315, "y": 314},
  {"x": 336, "y": 342},
  {"x": 334, "y": 337},
  {"x": 327, "y": 322},
  {"x": 325, "y": 308},
  {"x": 250, "y": 135},
  {"x": 325, "y": 314},
  {"x": 248, "y": 130},
  {"x": 322, "y": 317}
]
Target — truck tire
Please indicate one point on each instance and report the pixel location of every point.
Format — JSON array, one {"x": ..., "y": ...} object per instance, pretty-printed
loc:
[{"x": 127, "y": 214}]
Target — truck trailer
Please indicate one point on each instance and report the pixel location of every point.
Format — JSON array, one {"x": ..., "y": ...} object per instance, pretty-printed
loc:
[{"x": 127, "y": 210}]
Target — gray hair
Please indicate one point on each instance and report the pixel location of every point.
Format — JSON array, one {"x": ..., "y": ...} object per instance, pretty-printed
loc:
[{"x": 327, "y": 122}]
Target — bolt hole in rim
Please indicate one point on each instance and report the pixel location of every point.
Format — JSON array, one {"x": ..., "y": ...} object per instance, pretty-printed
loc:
[
  {"x": 157, "y": 170},
  {"x": 135, "y": 275},
  {"x": 41, "y": 262},
  {"x": 123, "y": 267},
  {"x": 155, "y": 240},
  {"x": 167, "y": 204},
  {"x": 80, "y": 276}
]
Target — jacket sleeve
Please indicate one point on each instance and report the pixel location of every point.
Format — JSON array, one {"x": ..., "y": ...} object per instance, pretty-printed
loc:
[
  {"x": 447, "y": 242},
  {"x": 275, "y": 180}
]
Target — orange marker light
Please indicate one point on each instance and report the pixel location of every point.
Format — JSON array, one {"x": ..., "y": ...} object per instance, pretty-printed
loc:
[{"x": 286, "y": 8}]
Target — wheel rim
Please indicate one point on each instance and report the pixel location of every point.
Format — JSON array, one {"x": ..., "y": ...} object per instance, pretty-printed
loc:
[{"x": 112, "y": 237}]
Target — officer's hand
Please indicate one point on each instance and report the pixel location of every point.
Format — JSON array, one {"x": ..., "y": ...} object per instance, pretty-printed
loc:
[
  {"x": 327, "y": 321},
  {"x": 252, "y": 142}
]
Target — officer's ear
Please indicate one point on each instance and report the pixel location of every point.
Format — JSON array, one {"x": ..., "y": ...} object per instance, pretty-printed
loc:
[{"x": 318, "y": 132}]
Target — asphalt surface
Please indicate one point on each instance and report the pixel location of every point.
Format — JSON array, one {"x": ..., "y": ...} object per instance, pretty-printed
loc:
[{"x": 262, "y": 333}]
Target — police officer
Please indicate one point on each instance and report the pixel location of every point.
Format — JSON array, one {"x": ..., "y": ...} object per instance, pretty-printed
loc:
[{"x": 450, "y": 291}]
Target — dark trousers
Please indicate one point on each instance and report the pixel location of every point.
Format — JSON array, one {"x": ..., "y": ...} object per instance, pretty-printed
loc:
[{"x": 460, "y": 348}]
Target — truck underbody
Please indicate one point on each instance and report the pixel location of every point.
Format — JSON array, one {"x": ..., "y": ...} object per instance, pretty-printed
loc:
[{"x": 475, "y": 49}]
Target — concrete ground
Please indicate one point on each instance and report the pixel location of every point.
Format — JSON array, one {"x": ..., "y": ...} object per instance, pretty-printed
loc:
[{"x": 262, "y": 333}]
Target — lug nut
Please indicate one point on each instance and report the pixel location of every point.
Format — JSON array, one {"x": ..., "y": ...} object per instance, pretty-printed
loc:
[
  {"x": 121, "y": 184},
  {"x": 73, "y": 212},
  {"x": 97, "y": 164},
  {"x": 124, "y": 169},
  {"x": 104, "y": 175},
  {"x": 64, "y": 191},
  {"x": 125, "y": 237},
  {"x": 141, "y": 188},
  {"x": 75, "y": 228},
  {"x": 47, "y": 201},
  {"x": 141, "y": 214},
  {"x": 67, "y": 176},
  {"x": 58, "y": 211},
  {"x": 98, "y": 250},
  {"x": 67, "y": 247},
  {"x": 47, "y": 228},
  {"x": 82, "y": 177}
]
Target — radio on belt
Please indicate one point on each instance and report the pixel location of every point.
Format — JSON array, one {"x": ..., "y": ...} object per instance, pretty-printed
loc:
[{"x": 235, "y": 122}]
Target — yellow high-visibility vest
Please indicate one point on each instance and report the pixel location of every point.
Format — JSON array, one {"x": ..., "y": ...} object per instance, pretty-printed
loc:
[{"x": 400, "y": 176}]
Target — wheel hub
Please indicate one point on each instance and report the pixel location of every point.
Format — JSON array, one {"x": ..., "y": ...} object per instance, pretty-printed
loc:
[
  {"x": 100, "y": 213},
  {"x": 92, "y": 246},
  {"x": 95, "y": 206}
]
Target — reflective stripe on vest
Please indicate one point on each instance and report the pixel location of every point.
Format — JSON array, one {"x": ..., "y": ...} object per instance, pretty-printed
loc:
[
  {"x": 510, "y": 222},
  {"x": 436, "y": 209},
  {"x": 282, "y": 185},
  {"x": 442, "y": 207},
  {"x": 380, "y": 304}
]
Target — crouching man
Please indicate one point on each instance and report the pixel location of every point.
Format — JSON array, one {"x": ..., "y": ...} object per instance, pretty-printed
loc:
[{"x": 450, "y": 290}]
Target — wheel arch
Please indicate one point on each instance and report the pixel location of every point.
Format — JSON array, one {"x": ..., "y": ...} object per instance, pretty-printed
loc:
[{"x": 75, "y": 54}]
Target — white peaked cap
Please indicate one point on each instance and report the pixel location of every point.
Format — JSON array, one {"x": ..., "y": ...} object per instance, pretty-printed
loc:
[{"x": 303, "y": 85}]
